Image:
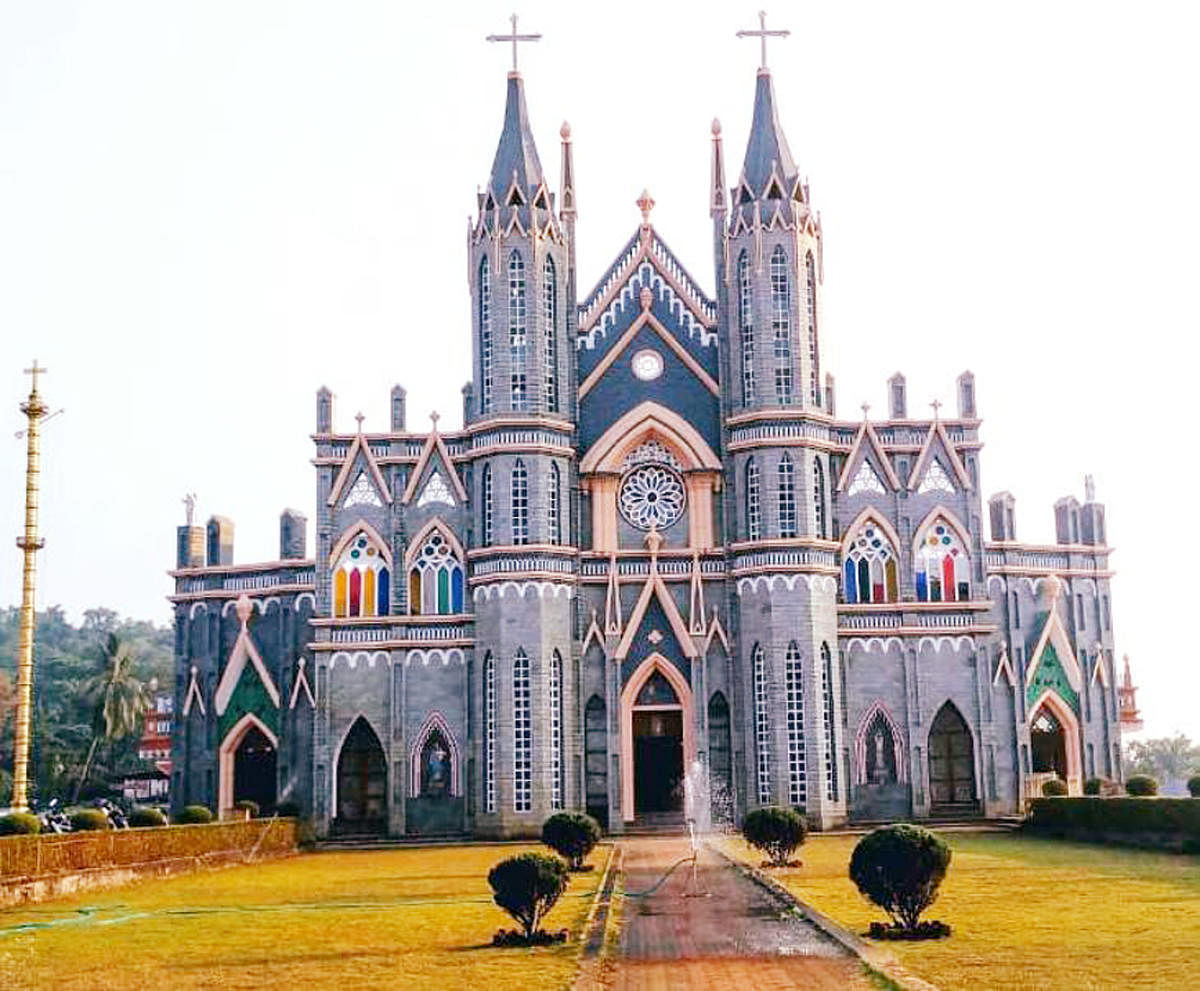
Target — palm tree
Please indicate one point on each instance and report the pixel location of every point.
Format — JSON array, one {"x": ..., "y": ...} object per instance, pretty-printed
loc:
[{"x": 117, "y": 697}]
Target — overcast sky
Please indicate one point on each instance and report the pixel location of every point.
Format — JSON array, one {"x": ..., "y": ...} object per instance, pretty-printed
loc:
[{"x": 207, "y": 211}]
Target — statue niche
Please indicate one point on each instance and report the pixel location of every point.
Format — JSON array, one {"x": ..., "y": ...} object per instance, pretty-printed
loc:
[
  {"x": 435, "y": 767},
  {"x": 881, "y": 752}
]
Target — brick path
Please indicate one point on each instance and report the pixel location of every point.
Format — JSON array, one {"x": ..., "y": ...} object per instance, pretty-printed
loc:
[{"x": 740, "y": 937}]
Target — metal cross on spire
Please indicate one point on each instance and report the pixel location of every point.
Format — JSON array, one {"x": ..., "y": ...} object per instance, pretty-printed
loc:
[
  {"x": 35, "y": 371},
  {"x": 763, "y": 34},
  {"x": 514, "y": 38},
  {"x": 937, "y": 405}
]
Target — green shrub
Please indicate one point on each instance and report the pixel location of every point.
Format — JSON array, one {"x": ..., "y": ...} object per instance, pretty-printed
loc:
[
  {"x": 1193, "y": 786},
  {"x": 572, "y": 835},
  {"x": 146, "y": 815},
  {"x": 900, "y": 868},
  {"x": 191, "y": 815},
  {"x": 1054, "y": 787},
  {"x": 1092, "y": 786},
  {"x": 526, "y": 886},
  {"x": 1116, "y": 815},
  {"x": 20, "y": 822},
  {"x": 1141, "y": 785},
  {"x": 88, "y": 820},
  {"x": 776, "y": 831},
  {"x": 250, "y": 806}
]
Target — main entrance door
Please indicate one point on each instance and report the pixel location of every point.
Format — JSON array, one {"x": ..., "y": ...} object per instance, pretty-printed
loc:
[
  {"x": 951, "y": 762},
  {"x": 254, "y": 770},
  {"x": 361, "y": 782},
  {"x": 658, "y": 760},
  {"x": 1048, "y": 743}
]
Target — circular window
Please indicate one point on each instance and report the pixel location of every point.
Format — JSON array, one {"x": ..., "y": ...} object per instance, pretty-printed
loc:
[
  {"x": 652, "y": 496},
  {"x": 647, "y": 365}
]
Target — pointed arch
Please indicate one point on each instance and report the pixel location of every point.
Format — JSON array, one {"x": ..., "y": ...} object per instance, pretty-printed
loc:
[
  {"x": 683, "y": 692},
  {"x": 878, "y": 710},
  {"x": 227, "y": 753},
  {"x": 435, "y": 722},
  {"x": 870, "y": 560},
  {"x": 951, "y": 746},
  {"x": 352, "y": 531},
  {"x": 942, "y": 559},
  {"x": 371, "y": 738},
  {"x": 442, "y": 527},
  {"x": 793, "y": 680},
  {"x": 1066, "y": 718},
  {"x": 649, "y": 421},
  {"x": 361, "y": 570}
]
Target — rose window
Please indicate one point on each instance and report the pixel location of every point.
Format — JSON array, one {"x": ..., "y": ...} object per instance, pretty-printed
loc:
[{"x": 652, "y": 496}]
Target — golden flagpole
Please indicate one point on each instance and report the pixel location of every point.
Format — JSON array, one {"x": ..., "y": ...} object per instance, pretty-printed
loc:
[{"x": 34, "y": 410}]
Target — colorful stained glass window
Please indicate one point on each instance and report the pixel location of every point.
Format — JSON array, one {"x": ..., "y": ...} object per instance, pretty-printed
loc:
[
  {"x": 943, "y": 568},
  {"x": 361, "y": 580},
  {"x": 869, "y": 569},
  {"x": 435, "y": 579}
]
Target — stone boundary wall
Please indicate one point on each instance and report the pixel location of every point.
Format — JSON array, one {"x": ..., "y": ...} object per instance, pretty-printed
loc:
[{"x": 36, "y": 868}]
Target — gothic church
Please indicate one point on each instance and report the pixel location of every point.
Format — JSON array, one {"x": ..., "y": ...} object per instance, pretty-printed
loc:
[{"x": 655, "y": 573}]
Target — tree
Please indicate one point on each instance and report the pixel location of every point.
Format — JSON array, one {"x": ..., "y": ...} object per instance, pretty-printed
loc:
[
  {"x": 527, "y": 886},
  {"x": 572, "y": 835},
  {"x": 118, "y": 700},
  {"x": 900, "y": 868},
  {"x": 1169, "y": 759},
  {"x": 775, "y": 831}
]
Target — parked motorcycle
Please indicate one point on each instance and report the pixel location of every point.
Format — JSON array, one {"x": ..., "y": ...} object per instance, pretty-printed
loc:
[{"x": 54, "y": 819}]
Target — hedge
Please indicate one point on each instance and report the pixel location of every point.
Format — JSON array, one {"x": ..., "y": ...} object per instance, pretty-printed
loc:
[
  {"x": 1175, "y": 816},
  {"x": 36, "y": 856}
]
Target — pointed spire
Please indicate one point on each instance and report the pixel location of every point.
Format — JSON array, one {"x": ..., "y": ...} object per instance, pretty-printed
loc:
[
  {"x": 767, "y": 149},
  {"x": 716, "y": 204},
  {"x": 516, "y": 170}
]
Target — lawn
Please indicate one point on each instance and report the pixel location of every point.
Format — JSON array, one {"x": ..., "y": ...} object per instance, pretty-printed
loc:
[
  {"x": 1030, "y": 913},
  {"x": 411, "y": 918}
]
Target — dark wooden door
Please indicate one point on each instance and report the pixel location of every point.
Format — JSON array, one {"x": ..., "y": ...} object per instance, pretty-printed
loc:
[{"x": 951, "y": 759}]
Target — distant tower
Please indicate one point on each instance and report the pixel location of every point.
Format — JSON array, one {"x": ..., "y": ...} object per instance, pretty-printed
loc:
[{"x": 1131, "y": 720}]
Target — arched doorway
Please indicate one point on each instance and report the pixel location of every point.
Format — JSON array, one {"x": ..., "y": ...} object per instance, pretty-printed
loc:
[
  {"x": 720, "y": 759},
  {"x": 1048, "y": 744},
  {"x": 1054, "y": 743},
  {"x": 254, "y": 770},
  {"x": 657, "y": 739},
  {"x": 361, "y": 782},
  {"x": 951, "y": 763}
]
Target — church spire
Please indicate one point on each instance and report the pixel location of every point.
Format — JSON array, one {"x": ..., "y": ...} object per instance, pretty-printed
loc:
[{"x": 767, "y": 151}]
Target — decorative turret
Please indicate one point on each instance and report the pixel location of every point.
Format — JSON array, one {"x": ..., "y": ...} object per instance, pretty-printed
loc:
[{"x": 1131, "y": 720}]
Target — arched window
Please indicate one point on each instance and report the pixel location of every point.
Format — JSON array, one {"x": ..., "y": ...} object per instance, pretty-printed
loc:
[
  {"x": 787, "y": 497},
  {"x": 361, "y": 579},
  {"x": 794, "y": 688},
  {"x": 781, "y": 324},
  {"x": 746, "y": 326},
  {"x": 489, "y": 733},
  {"x": 549, "y": 328},
  {"x": 814, "y": 351},
  {"x": 831, "y": 787},
  {"x": 753, "y": 501},
  {"x": 820, "y": 516},
  {"x": 517, "y": 339},
  {"x": 869, "y": 569},
  {"x": 487, "y": 503},
  {"x": 762, "y": 725},
  {"x": 943, "y": 567},
  {"x": 553, "y": 517},
  {"x": 485, "y": 335},
  {"x": 556, "y": 731},
  {"x": 522, "y": 734},
  {"x": 520, "y": 503},
  {"x": 435, "y": 579}
]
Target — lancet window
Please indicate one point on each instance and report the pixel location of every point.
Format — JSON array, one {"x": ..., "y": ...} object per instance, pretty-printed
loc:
[
  {"x": 486, "y": 500},
  {"x": 781, "y": 324},
  {"x": 943, "y": 566},
  {"x": 831, "y": 783},
  {"x": 753, "y": 501},
  {"x": 819, "y": 510},
  {"x": 814, "y": 351},
  {"x": 435, "y": 579},
  {"x": 746, "y": 326},
  {"x": 361, "y": 580},
  {"x": 787, "y": 497},
  {"x": 485, "y": 334},
  {"x": 762, "y": 725},
  {"x": 794, "y": 688},
  {"x": 489, "y": 733},
  {"x": 549, "y": 325},
  {"x": 553, "y": 516},
  {"x": 520, "y": 503},
  {"x": 869, "y": 570},
  {"x": 556, "y": 731},
  {"x": 522, "y": 734},
  {"x": 516, "y": 310}
]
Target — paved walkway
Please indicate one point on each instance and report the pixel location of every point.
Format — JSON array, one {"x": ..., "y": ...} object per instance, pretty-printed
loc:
[{"x": 737, "y": 937}]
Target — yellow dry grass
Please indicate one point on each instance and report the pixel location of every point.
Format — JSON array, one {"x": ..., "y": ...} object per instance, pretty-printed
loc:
[
  {"x": 1030, "y": 913},
  {"x": 412, "y": 918}
]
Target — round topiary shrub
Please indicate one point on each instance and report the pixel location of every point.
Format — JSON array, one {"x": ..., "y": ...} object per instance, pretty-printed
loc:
[
  {"x": 1193, "y": 786},
  {"x": 17, "y": 823},
  {"x": 88, "y": 820},
  {"x": 526, "y": 886},
  {"x": 191, "y": 815},
  {"x": 1092, "y": 786},
  {"x": 145, "y": 816},
  {"x": 900, "y": 868},
  {"x": 249, "y": 806},
  {"x": 1054, "y": 788},
  {"x": 777, "y": 832},
  {"x": 1141, "y": 785},
  {"x": 572, "y": 835}
]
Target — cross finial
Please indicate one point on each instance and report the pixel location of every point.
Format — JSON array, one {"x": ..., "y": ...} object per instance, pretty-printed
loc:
[
  {"x": 514, "y": 38},
  {"x": 35, "y": 371},
  {"x": 937, "y": 405},
  {"x": 359, "y": 418},
  {"x": 763, "y": 34},
  {"x": 434, "y": 417},
  {"x": 866, "y": 408}
]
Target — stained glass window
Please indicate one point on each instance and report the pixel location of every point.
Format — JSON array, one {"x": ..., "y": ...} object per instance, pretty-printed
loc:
[
  {"x": 794, "y": 689},
  {"x": 361, "y": 580},
  {"x": 652, "y": 495},
  {"x": 865, "y": 480},
  {"x": 942, "y": 565},
  {"x": 435, "y": 580},
  {"x": 549, "y": 325},
  {"x": 485, "y": 333},
  {"x": 869, "y": 569},
  {"x": 520, "y": 503},
  {"x": 746, "y": 326},
  {"x": 522, "y": 734},
  {"x": 362, "y": 493},
  {"x": 787, "y": 497},
  {"x": 936, "y": 479},
  {"x": 489, "y": 733},
  {"x": 781, "y": 324},
  {"x": 753, "y": 501},
  {"x": 762, "y": 725},
  {"x": 556, "y": 732},
  {"x": 814, "y": 351}
]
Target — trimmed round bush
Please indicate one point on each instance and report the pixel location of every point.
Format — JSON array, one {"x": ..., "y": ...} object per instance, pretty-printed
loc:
[
  {"x": 1055, "y": 788},
  {"x": 250, "y": 806},
  {"x": 88, "y": 820},
  {"x": 776, "y": 831},
  {"x": 572, "y": 835},
  {"x": 192, "y": 815},
  {"x": 20, "y": 823},
  {"x": 1092, "y": 786},
  {"x": 526, "y": 886},
  {"x": 1141, "y": 785},
  {"x": 145, "y": 816},
  {"x": 900, "y": 868},
  {"x": 1193, "y": 786}
]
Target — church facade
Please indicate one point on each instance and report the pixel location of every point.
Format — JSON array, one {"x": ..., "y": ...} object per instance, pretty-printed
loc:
[{"x": 655, "y": 573}]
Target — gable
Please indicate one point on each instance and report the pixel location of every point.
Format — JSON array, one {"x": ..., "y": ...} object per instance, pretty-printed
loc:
[
  {"x": 938, "y": 450},
  {"x": 653, "y": 632},
  {"x": 878, "y": 476},
  {"x": 359, "y": 461}
]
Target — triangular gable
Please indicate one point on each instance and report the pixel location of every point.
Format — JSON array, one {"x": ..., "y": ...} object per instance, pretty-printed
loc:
[
  {"x": 1099, "y": 672},
  {"x": 716, "y": 630},
  {"x": 243, "y": 651},
  {"x": 867, "y": 440},
  {"x": 1054, "y": 638},
  {"x": 194, "y": 695},
  {"x": 592, "y": 632},
  {"x": 362, "y": 493},
  {"x": 655, "y": 589},
  {"x": 436, "y": 491},
  {"x": 936, "y": 479},
  {"x": 936, "y": 438},
  {"x": 433, "y": 445},
  {"x": 301, "y": 684},
  {"x": 1004, "y": 667},
  {"x": 359, "y": 455}
]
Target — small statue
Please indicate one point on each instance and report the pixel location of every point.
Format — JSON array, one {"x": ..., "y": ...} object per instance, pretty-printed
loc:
[{"x": 189, "y": 502}]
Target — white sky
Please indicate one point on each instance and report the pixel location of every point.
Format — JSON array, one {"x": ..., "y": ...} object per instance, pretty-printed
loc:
[{"x": 209, "y": 210}]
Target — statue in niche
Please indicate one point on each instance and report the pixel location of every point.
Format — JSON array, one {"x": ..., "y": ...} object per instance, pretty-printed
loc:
[
  {"x": 435, "y": 768},
  {"x": 881, "y": 753}
]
